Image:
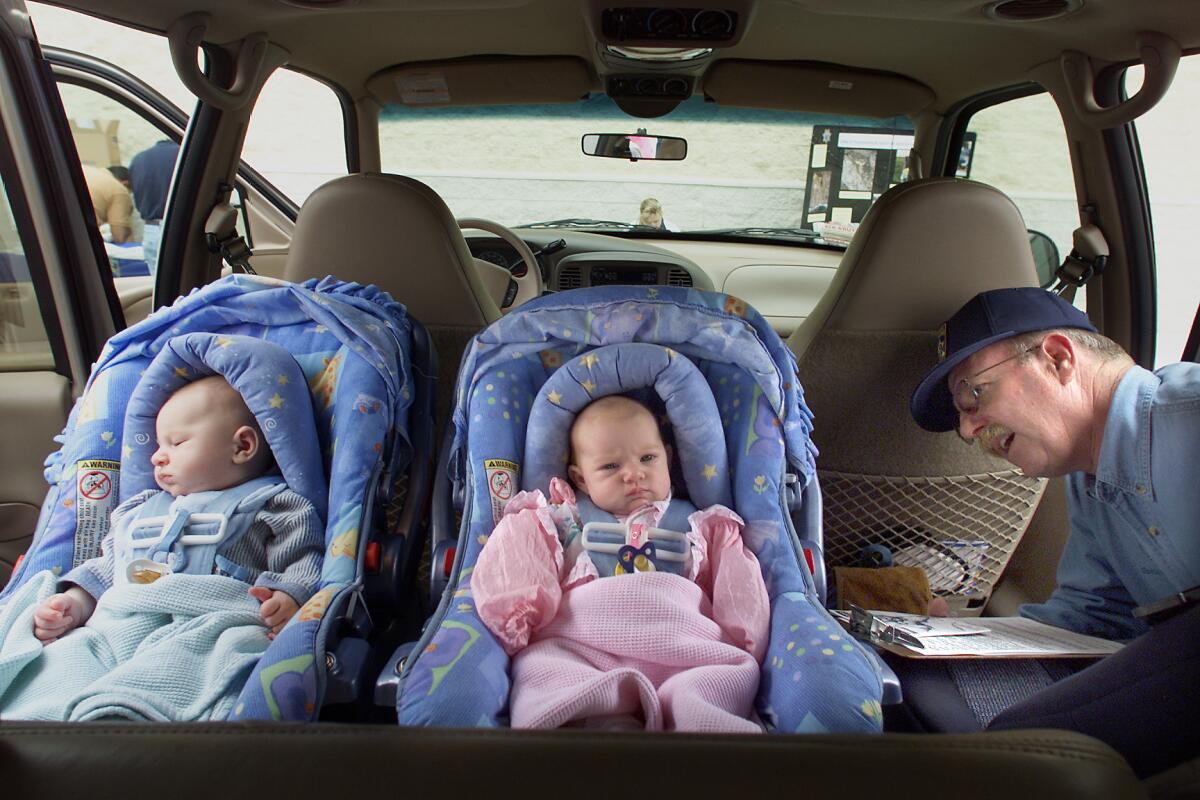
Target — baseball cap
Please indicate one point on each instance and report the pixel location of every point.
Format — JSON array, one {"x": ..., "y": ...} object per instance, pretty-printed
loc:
[{"x": 986, "y": 318}]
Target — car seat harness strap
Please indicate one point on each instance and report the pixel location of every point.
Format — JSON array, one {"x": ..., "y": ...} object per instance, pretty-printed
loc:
[
  {"x": 618, "y": 548},
  {"x": 182, "y": 535}
]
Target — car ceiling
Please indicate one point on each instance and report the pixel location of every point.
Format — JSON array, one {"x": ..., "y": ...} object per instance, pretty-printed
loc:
[{"x": 951, "y": 46}]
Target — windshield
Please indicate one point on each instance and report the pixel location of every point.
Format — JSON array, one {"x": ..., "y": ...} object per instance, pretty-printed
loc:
[{"x": 748, "y": 172}]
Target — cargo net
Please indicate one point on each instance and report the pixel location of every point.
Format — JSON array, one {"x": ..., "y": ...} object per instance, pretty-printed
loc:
[{"x": 960, "y": 530}]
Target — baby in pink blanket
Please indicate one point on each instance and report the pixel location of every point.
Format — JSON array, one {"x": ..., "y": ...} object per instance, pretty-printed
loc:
[{"x": 673, "y": 636}]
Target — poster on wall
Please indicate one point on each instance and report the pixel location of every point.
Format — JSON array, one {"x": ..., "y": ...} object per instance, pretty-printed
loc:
[{"x": 849, "y": 167}]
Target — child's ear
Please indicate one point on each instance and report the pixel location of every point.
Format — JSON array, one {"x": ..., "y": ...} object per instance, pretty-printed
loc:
[
  {"x": 670, "y": 453},
  {"x": 576, "y": 476},
  {"x": 245, "y": 444}
]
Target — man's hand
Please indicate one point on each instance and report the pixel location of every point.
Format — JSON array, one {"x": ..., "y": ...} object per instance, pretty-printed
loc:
[
  {"x": 277, "y": 608},
  {"x": 62, "y": 613}
]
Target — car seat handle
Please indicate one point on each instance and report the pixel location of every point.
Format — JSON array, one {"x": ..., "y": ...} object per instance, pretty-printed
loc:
[
  {"x": 1160, "y": 57},
  {"x": 256, "y": 60}
]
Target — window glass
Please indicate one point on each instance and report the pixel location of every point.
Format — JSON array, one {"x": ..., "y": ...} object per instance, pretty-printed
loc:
[
  {"x": 23, "y": 341},
  {"x": 747, "y": 172},
  {"x": 296, "y": 137},
  {"x": 144, "y": 55},
  {"x": 1167, "y": 135},
  {"x": 127, "y": 164},
  {"x": 1020, "y": 147}
]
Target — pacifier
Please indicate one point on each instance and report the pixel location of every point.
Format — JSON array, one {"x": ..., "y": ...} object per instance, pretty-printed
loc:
[{"x": 143, "y": 570}]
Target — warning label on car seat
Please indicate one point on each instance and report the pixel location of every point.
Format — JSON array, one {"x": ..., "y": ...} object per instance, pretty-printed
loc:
[
  {"x": 502, "y": 483},
  {"x": 95, "y": 498}
]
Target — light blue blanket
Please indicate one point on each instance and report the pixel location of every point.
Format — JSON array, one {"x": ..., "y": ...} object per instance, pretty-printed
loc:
[{"x": 178, "y": 649}]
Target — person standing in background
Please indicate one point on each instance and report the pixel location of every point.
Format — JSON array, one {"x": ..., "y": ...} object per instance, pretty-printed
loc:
[
  {"x": 650, "y": 214},
  {"x": 150, "y": 177},
  {"x": 111, "y": 202}
]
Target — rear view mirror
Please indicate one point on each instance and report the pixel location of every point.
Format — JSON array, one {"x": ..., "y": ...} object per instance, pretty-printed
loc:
[
  {"x": 634, "y": 146},
  {"x": 1045, "y": 257}
]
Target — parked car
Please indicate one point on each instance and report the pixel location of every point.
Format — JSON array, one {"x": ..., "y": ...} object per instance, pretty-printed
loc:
[{"x": 766, "y": 133}]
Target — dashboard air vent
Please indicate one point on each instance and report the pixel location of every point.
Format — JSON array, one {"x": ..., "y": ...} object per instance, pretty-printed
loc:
[
  {"x": 570, "y": 278},
  {"x": 678, "y": 276}
]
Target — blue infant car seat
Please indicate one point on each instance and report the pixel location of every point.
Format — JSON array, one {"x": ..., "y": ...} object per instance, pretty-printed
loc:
[
  {"x": 814, "y": 677},
  {"x": 338, "y": 424}
]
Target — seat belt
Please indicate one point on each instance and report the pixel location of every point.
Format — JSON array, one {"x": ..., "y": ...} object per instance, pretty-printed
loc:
[
  {"x": 221, "y": 236},
  {"x": 1088, "y": 257}
]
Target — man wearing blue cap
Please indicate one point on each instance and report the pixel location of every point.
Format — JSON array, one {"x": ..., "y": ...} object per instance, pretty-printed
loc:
[{"x": 1025, "y": 375}]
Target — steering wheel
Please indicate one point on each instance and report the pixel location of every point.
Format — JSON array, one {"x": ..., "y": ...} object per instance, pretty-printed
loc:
[{"x": 530, "y": 284}]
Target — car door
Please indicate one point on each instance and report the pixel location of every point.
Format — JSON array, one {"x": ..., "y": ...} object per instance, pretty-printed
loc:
[
  {"x": 57, "y": 300},
  {"x": 113, "y": 116}
]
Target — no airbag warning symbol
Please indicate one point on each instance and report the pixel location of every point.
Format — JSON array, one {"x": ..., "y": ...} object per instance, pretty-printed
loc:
[{"x": 502, "y": 482}]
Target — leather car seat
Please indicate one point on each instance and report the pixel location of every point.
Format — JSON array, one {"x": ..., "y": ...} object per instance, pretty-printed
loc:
[
  {"x": 398, "y": 234},
  {"x": 923, "y": 249}
]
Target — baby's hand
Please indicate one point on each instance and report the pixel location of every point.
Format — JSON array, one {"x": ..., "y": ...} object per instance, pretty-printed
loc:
[
  {"x": 58, "y": 615},
  {"x": 277, "y": 608}
]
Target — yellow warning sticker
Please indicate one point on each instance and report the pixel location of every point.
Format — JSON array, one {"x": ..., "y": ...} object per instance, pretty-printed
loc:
[
  {"x": 95, "y": 499},
  {"x": 502, "y": 483}
]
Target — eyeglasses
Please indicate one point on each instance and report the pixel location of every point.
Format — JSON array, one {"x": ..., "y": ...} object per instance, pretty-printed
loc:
[{"x": 968, "y": 395}]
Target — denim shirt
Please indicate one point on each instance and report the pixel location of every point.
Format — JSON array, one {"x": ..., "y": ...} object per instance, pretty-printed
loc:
[{"x": 1135, "y": 524}]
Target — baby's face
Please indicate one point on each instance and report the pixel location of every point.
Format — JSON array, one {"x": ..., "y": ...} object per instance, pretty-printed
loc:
[
  {"x": 620, "y": 459},
  {"x": 196, "y": 444}
]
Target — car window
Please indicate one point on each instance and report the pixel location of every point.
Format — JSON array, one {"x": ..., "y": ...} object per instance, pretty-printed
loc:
[
  {"x": 1166, "y": 135},
  {"x": 1020, "y": 147},
  {"x": 145, "y": 55},
  {"x": 747, "y": 172},
  {"x": 23, "y": 341},
  {"x": 127, "y": 166},
  {"x": 296, "y": 138}
]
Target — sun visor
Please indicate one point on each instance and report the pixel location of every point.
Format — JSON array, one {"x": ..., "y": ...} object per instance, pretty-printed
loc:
[
  {"x": 821, "y": 88},
  {"x": 494, "y": 80}
]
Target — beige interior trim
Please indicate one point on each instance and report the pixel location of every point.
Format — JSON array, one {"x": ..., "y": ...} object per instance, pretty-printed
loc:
[
  {"x": 135, "y": 295},
  {"x": 270, "y": 233},
  {"x": 818, "y": 88},
  {"x": 484, "y": 81},
  {"x": 1107, "y": 297},
  {"x": 366, "y": 111},
  {"x": 40, "y": 401}
]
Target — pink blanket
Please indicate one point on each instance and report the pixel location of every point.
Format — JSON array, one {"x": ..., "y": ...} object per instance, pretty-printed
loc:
[{"x": 651, "y": 648}]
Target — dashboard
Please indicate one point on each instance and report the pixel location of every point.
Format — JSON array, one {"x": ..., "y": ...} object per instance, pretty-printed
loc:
[
  {"x": 783, "y": 282},
  {"x": 589, "y": 259}
]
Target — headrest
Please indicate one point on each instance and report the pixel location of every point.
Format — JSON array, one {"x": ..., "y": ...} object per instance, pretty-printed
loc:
[
  {"x": 270, "y": 381},
  {"x": 922, "y": 250},
  {"x": 618, "y": 369},
  {"x": 398, "y": 234}
]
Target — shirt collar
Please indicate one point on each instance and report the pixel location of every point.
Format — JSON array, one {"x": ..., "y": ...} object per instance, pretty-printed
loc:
[{"x": 1125, "y": 451}]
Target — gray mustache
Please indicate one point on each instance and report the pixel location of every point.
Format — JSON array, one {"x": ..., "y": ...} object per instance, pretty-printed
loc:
[{"x": 989, "y": 438}]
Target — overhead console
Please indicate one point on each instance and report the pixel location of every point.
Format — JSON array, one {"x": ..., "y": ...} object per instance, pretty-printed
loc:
[
  {"x": 678, "y": 87},
  {"x": 692, "y": 23},
  {"x": 669, "y": 25},
  {"x": 652, "y": 55},
  {"x": 648, "y": 95}
]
